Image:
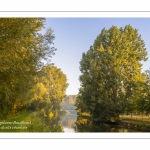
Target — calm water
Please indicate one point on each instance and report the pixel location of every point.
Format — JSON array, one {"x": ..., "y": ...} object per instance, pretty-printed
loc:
[{"x": 68, "y": 123}]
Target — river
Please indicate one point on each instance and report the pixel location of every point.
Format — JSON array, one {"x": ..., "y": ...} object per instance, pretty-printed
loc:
[{"x": 68, "y": 123}]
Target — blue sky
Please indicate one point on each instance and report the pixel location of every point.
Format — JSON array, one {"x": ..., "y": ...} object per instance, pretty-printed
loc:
[{"x": 73, "y": 36}]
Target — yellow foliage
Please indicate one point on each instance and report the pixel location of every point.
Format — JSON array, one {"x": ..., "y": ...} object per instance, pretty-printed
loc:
[
  {"x": 110, "y": 51},
  {"x": 40, "y": 92},
  {"x": 42, "y": 89},
  {"x": 82, "y": 121},
  {"x": 51, "y": 115},
  {"x": 85, "y": 114}
]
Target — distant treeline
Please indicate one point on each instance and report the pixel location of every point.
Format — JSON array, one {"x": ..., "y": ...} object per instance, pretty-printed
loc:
[
  {"x": 69, "y": 104},
  {"x": 69, "y": 100}
]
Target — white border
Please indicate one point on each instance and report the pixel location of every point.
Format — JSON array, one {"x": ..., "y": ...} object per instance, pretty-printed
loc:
[
  {"x": 75, "y": 135},
  {"x": 51, "y": 9},
  {"x": 74, "y": 5},
  {"x": 83, "y": 14}
]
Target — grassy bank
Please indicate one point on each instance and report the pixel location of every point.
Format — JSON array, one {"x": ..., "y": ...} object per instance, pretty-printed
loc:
[
  {"x": 16, "y": 123},
  {"x": 24, "y": 122},
  {"x": 30, "y": 122},
  {"x": 139, "y": 123}
]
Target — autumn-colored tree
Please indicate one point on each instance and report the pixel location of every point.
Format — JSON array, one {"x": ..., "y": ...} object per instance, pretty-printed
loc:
[
  {"x": 49, "y": 93},
  {"x": 22, "y": 48},
  {"x": 50, "y": 90}
]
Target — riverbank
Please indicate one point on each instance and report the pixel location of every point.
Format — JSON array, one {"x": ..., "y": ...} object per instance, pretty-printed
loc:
[
  {"x": 29, "y": 122},
  {"x": 140, "y": 126},
  {"x": 16, "y": 123}
]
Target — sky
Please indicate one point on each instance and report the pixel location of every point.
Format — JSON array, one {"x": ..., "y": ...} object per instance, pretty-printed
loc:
[{"x": 73, "y": 36}]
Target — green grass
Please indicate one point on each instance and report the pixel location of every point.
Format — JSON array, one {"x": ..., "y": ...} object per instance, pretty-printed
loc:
[
  {"x": 11, "y": 124},
  {"x": 134, "y": 117},
  {"x": 34, "y": 120}
]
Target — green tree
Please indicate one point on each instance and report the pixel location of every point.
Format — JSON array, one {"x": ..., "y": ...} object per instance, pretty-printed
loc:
[
  {"x": 22, "y": 49},
  {"x": 110, "y": 69},
  {"x": 148, "y": 92},
  {"x": 143, "y": 101}
]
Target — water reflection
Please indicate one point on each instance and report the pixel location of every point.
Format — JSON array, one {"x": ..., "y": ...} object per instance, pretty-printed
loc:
[
  {"x": 84, "y": 125},
  {"x": 71, "y": 124},
  {"x": 68, "y": 122},
  {"x": 68, "y": 130}
]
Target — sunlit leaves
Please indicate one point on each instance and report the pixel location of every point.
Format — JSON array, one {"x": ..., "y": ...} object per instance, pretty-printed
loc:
[
  {"x": 110, "y": 70},
  {"x": 22, "y": 47}
]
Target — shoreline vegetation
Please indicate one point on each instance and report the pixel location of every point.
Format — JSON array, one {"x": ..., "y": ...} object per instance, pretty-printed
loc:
[
  {"x": 24, "y": 122},
  {"x": 30, "y": 122},
  {"x": 136, "y": 122},
  {"x": 33, "y": 121}
]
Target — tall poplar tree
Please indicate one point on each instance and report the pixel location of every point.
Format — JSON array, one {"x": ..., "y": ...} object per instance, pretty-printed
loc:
[{"x": 110, "y": 70}]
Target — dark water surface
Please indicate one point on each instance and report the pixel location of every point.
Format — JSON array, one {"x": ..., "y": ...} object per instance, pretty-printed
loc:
[{"x": 68, "y": 123}]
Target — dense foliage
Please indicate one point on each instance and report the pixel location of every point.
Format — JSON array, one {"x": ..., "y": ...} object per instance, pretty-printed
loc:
[
  {"x": 28, "y": 84},
  {"x": 112, "y": 81}
]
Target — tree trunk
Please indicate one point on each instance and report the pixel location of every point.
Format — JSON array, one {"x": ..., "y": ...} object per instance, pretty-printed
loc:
[{"x": 131, "y": 114}]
